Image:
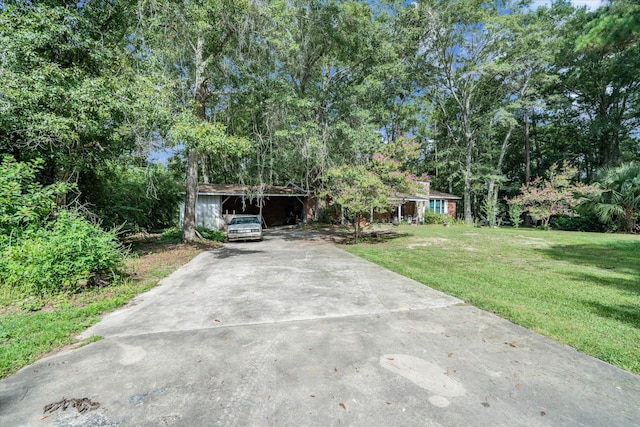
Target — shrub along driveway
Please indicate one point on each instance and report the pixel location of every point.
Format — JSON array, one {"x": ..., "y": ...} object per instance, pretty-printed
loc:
[{"x": 295, "y": 331}]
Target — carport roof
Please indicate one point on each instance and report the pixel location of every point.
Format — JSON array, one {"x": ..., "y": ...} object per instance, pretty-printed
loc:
[
  {"x": 251, "y": 191},
  {"x": 433, "y": 195}
]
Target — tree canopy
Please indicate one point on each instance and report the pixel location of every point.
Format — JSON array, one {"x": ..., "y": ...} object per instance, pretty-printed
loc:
[{"x": 491, "y": 93}]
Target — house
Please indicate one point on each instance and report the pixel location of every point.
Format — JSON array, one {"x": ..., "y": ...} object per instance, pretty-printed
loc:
[
  {"x": 412, "y": 207},
  {"x": 277, "y": 205},
  {"x": 290, "y": 204}
]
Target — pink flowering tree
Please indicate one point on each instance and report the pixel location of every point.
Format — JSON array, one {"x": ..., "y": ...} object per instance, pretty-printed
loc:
[
  {"x": 360, "y": 188},
  {"x": 552, "y": 195},
  {"x": 357, "y": 190}
]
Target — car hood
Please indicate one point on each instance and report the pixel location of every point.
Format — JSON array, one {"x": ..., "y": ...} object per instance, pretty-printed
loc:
[{"x": 243, "y": 226}]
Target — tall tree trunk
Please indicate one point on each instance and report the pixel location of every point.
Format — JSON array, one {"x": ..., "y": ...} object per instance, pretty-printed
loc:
[
  {"x": 527, "y": 149},
  {"x": 191, "y": 196},
  {"x": 492, "y": 193},
  {"x": 191, "y": 192},
  {"x": 468, "y": 218},
  {"x": 204, "y": 165}
]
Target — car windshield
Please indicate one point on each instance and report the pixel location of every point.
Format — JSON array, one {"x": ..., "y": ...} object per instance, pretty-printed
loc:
[{"x": 249, "y": 220}]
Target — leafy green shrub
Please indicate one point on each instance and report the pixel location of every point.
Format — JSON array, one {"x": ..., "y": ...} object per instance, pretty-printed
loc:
[
  {"x": 433, "y": 218},
  {"x": 60, "y": 256},
  {"x": 133, "y": 197},
  {"x": 515, "y": 213},
  {"x": 585, "y": 222},
  {"x": 173, "y": 234},
  {"x": 215, "y": 235},
  {"x": 24, "y": 201}
]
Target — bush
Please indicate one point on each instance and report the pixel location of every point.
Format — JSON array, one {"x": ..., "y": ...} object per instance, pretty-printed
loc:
[
  {"x": 215, "y": 235},
  {"x": 586, "y": 222},
  {"x": 133, "y": 197},
  {"x": 60, "y": 256},
  {"x": 173, "y": 234},
  {"x": 434, "y": 218}
]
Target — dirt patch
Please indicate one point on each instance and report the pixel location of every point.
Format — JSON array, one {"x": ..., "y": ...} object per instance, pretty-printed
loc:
[
  {"x": 150, "y": 256},
  {"x": 376, "y": 233},
  {"x": 427, "y": 242}
]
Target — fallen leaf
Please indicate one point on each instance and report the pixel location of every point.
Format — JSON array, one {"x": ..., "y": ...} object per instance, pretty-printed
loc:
[
  {"x": 217, "y": 321},
  {"x": 343, "y": 406},
  {"x": 450, "y": 355}
]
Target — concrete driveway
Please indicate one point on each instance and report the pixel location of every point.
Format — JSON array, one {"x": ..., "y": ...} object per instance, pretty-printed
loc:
[{"x": 294, "y": 331}]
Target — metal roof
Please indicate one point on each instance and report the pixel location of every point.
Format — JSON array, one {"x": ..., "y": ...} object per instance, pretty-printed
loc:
[{"x": 247, "y": 190}]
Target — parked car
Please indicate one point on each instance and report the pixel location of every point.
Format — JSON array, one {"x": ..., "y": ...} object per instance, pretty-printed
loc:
[{"x": 244, "y": 227}]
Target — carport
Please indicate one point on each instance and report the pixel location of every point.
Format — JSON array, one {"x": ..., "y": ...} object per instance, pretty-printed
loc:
[{"x": 278, "y": 205}]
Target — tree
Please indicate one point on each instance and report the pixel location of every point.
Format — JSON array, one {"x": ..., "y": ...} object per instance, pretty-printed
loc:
[
  {"x": 596, "y": 94},
  {"x": 362, "y": 188},
  {"x": 618, "y": 200},
  {"x": 357, "y": 190},
  {"x": 553, "y": 195},
  {"x": 458, "y": 50},
  {"x": 319, "y": 87},
  {"x": 616, "y": 26},
  {"x": 67, "y": 86},
  {"x": 192, "y": 42}
]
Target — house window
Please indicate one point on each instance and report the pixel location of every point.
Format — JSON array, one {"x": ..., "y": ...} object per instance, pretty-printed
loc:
[{"x": 438, "y": 206}]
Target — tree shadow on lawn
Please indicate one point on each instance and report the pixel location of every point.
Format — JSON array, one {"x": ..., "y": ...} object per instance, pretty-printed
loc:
[
  {"x": 346, "y": 235},
  {"x": 626, "y": 313},
  {"x": 621, "y": 257}
]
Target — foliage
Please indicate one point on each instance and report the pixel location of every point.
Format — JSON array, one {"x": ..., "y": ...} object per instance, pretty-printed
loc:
[
  {"x": 362, "y": 188},
  {"x": 358, "y": 190},
  {"x": 206, "y": 137},
  {"x": 215, "y": 235},
  {"x": 586, "y": 222},
  {"x": 24, "y": 202},
  {"x": 173, "y": 234},
  {"x": 616, "y": 26},
  {"x": 580, "y": 289},
  {"x": 68, "y": 92},
  {"x": 434, "y": 218},
  {"x": 543, "y": 198},
  {"x": 133, "y": 197},
  {"x": 60, "y": 256},
  {"x": 618, "y": 202},
  {"x": 515, "y": 213}
]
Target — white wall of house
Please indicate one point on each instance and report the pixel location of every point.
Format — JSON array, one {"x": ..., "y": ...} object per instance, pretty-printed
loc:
[{"x": 208, "y": 212}]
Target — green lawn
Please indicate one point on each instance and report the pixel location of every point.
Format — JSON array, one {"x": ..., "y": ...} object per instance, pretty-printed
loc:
[{"x": 581, "y": 289}]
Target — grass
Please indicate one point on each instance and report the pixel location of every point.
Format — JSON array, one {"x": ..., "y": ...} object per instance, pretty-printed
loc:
[
  {"x": 32, "y": 328},
  {"x": 581, "y": 289}
]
